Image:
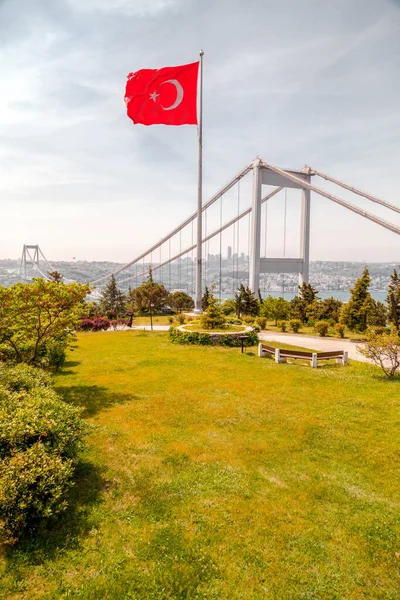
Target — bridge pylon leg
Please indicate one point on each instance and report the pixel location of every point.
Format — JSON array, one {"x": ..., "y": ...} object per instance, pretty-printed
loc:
[
  {"x": 304, "y": 277},
  {"x": 255, "y": 232}
]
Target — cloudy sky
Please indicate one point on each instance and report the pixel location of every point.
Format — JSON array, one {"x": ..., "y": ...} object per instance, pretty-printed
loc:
[{"x": 294, "y": 81}]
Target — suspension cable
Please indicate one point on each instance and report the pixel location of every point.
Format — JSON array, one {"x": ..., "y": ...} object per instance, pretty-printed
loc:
[
  {"x": 321, "y": 192},
  {"x": 193, "y": 216},
  {"x": 214, "y": 233},
  {"x": 354, "y": 190}
]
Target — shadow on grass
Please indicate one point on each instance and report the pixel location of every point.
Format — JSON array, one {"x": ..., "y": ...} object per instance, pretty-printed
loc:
[
  {"x": 67, "y": 530},
  {"x": 394, "y": 379},
  {"x": 67, "y": 366},
  {"x": 92, "y": 398}
]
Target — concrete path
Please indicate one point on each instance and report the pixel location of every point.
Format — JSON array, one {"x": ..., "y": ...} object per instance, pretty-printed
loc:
[{"x": 315, "y": 343}]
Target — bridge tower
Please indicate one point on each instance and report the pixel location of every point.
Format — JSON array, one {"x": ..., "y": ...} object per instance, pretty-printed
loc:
[
  {"x": 263, "y": 175},
  {"x": 30, "y": 256}
]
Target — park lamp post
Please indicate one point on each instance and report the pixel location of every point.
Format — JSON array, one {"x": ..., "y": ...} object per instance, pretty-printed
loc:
[{"x": 151, "y": 315}]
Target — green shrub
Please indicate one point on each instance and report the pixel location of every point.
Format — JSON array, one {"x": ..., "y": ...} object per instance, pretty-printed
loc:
[
  {"x": 180, "y": 318},
  {"x": 170, "y": 320},
  {"x": 322, "y": 327},
  {"x": 54, "y": 355},
  {"x": 22, "y": 378},
  {"x": 188, "y": 337},
  {"x": 261, "y": 322},
  {"x": 340, "y": 329},
  {"x": 39, "y": 415},
  {"x": 248, "y": 319},
  {"x": 231, "y": 341},
  {"x": 33, "y": 483},
  {"x": 233, "y": 321},
  {"x": 40, "y": 438},
  {"x": 295, "y": 325},
  {"x": 228, "y": 307},
  {"x": 282, "y": 325},
  {"x": 378, "y": 330},
  {"x": 205, "y": 339}
]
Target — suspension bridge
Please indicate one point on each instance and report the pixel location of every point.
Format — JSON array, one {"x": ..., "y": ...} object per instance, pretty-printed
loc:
[{"x": 236, "y": 215}]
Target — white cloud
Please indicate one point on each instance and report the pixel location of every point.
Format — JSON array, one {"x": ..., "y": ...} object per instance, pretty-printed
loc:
[{"x": 141, "y": 8}]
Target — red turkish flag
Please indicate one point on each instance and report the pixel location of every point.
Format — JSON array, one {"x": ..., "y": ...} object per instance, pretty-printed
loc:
[{"x": 163, "y": 96}]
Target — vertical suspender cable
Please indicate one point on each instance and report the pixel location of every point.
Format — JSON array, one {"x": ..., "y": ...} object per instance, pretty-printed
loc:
[
  {"x": 205, "y": 250},
  {"x": 169, "y": 264},
  {"x": 237, "y": 241},
  {"x": 233, "y": 259},
  {"x": 193, "y": 266},
  {"x": 161, "y": 269},
  {"x": 284, "y": 238},
  {"x": 248, "y": 246},
  {"x": 220, "y": 250},
  {"x": 180, "y": 260}
]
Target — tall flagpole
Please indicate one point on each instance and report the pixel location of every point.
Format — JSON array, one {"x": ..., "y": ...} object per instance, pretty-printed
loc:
[{"x": 198, "y": 307}]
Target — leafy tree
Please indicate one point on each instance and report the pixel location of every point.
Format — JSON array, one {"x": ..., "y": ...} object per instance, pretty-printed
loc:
[
  {"x": 299, "y": 309},
  {"x": 149, "y": 297},
  {"x": 245, "y": 302},
  {"x": 112, "y": 300},
  {"x": 384, "y": 351},
  {"x": 376, "y": 313},
  {"x": 355, "y": 313},
  {"x": 324, "y": 310},
  {"x": 55, "y": 275},
  {"x": 180, "y": 301},
  {"x": 212, "y": 317},
  {"x": 229, "y": 306},
  {"x": 308, "y": 293},
  {"x": 393, "y": 299},
  {"x": 39, "y": 317},
  {"x": 305, "y": 304},
  {"x": 275, "y": 308},
  {"x": 90, "y": 310},
  {"x": 205, "y": 299}
]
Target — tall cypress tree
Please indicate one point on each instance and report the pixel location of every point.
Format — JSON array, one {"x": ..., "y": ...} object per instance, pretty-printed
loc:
[
  {"x": 112, "y": 301},
  {"x": 355, "y": 312},
  {"x": 393, "y": 299}
]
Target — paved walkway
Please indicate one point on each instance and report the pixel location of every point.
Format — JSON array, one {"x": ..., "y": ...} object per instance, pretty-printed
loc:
[{"x": 315, "y": 343}]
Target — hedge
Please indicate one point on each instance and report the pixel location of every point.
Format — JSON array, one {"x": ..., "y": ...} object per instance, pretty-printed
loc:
[
  {"x": 40, "y": 440},
  {"x": 207, "y": 339}
]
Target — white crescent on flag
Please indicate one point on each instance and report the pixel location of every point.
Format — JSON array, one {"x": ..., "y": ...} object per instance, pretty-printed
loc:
[{"x": 179, "y": 94}]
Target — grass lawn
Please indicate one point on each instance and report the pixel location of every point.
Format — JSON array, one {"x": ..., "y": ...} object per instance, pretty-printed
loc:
[
  {"x": 212, "y": 474},
  {"x": 157, "y": 320}
]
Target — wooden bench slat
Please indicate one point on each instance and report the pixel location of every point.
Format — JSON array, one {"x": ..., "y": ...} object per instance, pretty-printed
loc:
[
  {"x": 298, "y": 353},
  {"x": 268, "y": 348}
]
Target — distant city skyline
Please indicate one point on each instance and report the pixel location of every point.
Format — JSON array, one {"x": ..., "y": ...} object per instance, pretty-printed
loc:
[{"x": 299, "y": 82}]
